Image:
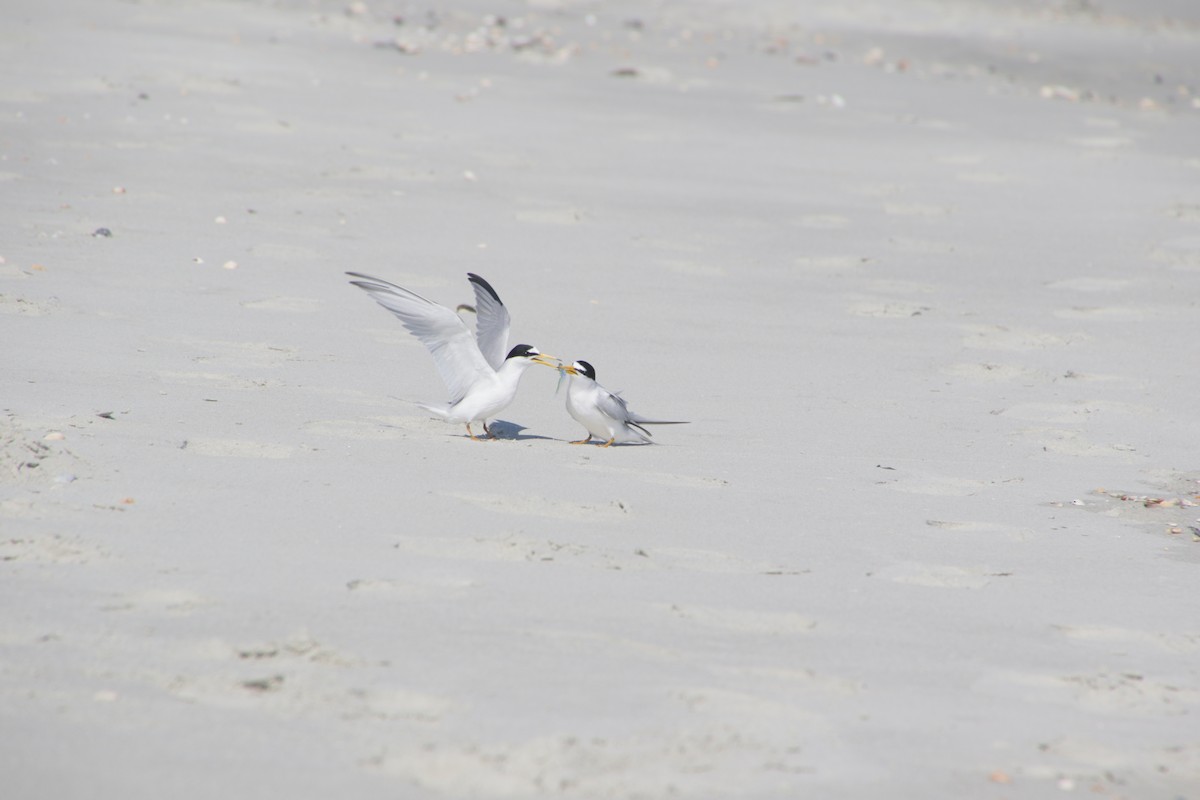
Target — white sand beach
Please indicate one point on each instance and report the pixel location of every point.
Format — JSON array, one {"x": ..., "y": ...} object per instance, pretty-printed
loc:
[{"x": 923, "y": 276}]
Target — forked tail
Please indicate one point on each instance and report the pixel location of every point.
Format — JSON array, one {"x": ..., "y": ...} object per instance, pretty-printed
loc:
[{"x": 637, "y": 422}]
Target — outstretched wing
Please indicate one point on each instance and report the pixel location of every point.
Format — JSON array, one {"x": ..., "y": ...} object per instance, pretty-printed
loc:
[
  {"x": 454, "y": 351},
  {"x": 491, "y": 321}
]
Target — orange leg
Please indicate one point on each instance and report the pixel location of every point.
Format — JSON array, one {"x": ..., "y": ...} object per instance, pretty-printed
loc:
[
  {"x": 584, "y": 441},
  {"x": 609, "y": 442}
]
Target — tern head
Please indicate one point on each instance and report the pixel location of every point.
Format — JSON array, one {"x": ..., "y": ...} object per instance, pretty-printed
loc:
[
  {"x": 581, "y": 368},
  {"x": 528, "y": 351}
]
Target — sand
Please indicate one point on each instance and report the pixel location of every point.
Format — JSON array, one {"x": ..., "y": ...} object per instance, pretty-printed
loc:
[{"x": 924, "y": 277}]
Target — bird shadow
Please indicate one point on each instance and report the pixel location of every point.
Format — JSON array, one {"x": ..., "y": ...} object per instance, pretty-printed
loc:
[{"x": 503, "y": 429}]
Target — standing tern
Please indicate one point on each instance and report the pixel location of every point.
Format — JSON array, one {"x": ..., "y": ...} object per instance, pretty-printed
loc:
[
  {"x": 481, "y": 378},
  {"x": 605, "y": 414}
]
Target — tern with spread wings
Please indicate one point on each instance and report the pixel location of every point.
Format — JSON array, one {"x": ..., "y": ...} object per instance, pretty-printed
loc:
[
  {"x": 605, "y": 414},
  {"x": 479, "y": 371}
]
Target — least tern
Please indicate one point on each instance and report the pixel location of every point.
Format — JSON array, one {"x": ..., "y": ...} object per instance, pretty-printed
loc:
[
  {"x": 480, "y": 373},
  {"x": 605, "y": 414}
]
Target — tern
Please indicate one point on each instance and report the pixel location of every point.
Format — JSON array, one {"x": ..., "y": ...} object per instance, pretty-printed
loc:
[
  {"x": 605, "y": 414},
  {"x": 480, "y": 373}
]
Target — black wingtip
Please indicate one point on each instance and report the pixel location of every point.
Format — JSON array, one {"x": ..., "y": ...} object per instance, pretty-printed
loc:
[
  {"x": 365, "y": 282},
  {"x": 473, "y": 278}
]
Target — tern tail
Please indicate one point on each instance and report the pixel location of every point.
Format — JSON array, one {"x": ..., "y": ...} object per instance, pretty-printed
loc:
[
  {"x": 637, "y": 419},
  {"x": 437, "y": 412},
  {"x": 640, "y": 421}
]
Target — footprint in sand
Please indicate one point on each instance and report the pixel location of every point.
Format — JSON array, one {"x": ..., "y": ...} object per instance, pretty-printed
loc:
[
  {"x": 699, "y": 761},
  {"x": 369, "y": 428},
  {"x": 239, "y": 448},
  {"x": 944, "y": 485},
  {"x": 544, "y": 507},
  {"x": 284, "y": 253},
  {"x": 1101, "y": 143},
  {"x": 299, "y": 647},
  {"x": 992, "y": 530},
  {"x": 985, "y": 178},
  {"x": 1184, "y": 212},
  {"x": 961, "y": 160},
  {"x": 899, "y": 286},
  {"x": 794, "y": 678},
  {"x": 33, "y": 455},
  {"x": 825, "y": 222},
  {"x": 923, "y": 246},
  {"x": 1123, "y": 641},
  {"x": 888, "y": 306},
  {"x": 1057, "y": 441},
  {"x": 1115, "y": 693},
  {"x": 290, "y": 305},
  {"x": 293, "y": 676},
  {"x": 997, "y": 373},
  {"x": 732, "y": 620},
  {"x": 763, "y": 705},
  {"x": 687, "y": 559},
  {"x": 394, "y": 704},
  {"x": 27, "y": 308},
  {"x": 1181, "y": 254},
  {"x": 51, "y": 548},
  {"x": 245, "y": 354},
  {"x": 830, "y": 264},
  {"x": 216, "y": 380},
  {"x": 939, "y": 576},
  {"x": 502, "y": 548},
  {"x": 694, "y": 268},
  {"x": 514, "y": 547},
  {"x": 1000, "y": 337},
  {"x": 1074, "y": 412},
  {"x": 1091, "y": 285},
  {"x": 659, "y": 478},
  {"x": 892, "y": 309},
  {"x": 925, "y": 210},
  {"x": 550, "y": 216},
  {"x": 1098, "y": 765},
  {"x": 410, "y": 588},
  {"x": 158, "y": 601},
  {"x": 1109, "y": 313}
]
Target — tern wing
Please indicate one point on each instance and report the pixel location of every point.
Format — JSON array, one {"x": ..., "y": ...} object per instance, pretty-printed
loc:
[
  {"x": 615, "y": 406},
  {"x": 638, "y": 419},
  {"x": 454, "y": 351},
  {"x": 491, "y": 321}
]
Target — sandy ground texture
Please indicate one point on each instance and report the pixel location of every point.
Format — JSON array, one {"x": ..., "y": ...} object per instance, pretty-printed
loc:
[{"x": 924, "y": 277}]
